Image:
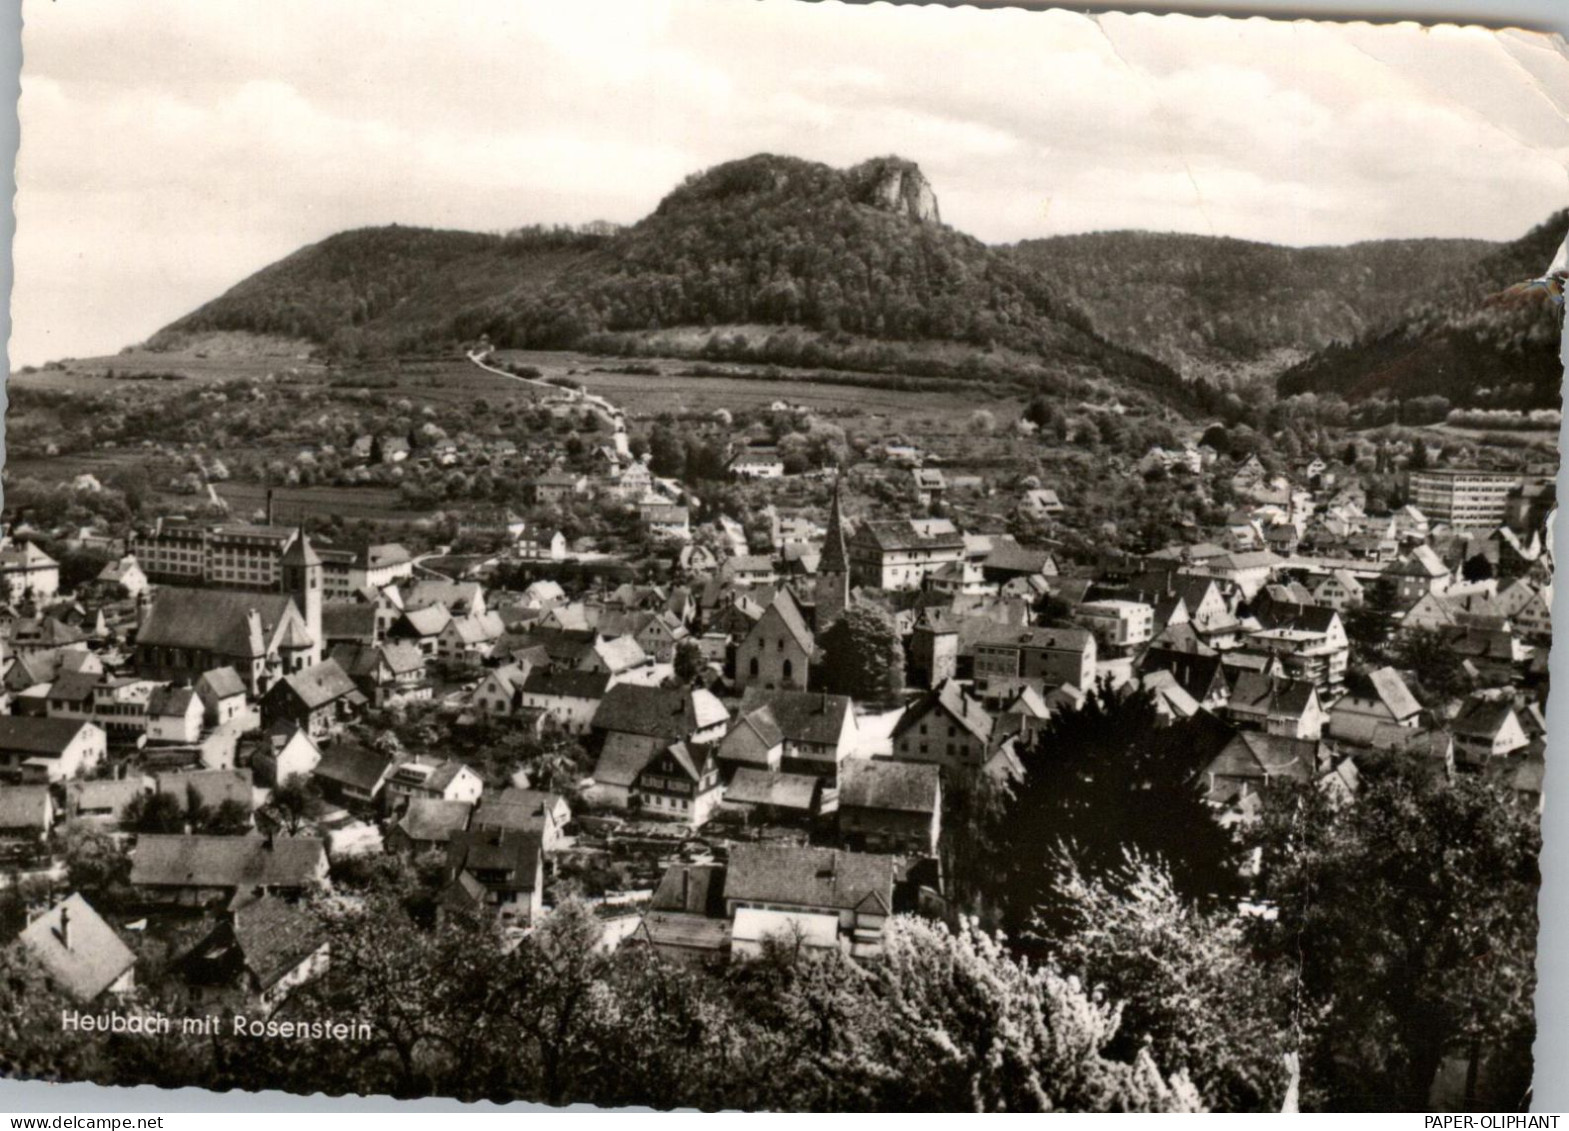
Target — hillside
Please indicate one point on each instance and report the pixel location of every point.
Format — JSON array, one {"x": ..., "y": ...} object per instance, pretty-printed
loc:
[
  {"x": 856, "y": 254},
  {"x": 1210, "y": 305},
  {"x": 1458, "y": 340}
]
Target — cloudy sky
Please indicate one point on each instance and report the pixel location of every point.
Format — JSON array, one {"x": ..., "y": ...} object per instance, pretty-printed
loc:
[{"x": 171, "y": 147}]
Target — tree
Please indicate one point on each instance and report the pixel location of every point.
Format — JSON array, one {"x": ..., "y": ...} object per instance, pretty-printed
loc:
[
  {"x": 1370, "y": 624},
  {"x": 863, "y": 656},
  {"x": 292, "y": 803},
  {"x": 1477, "y": 568},
  {"x": 1439, "y": 671},
  {"x": 94, "y": 860},
  {"x": 689, "y": 662},
  {"x": 1418, "y": 460},
  {"x": 1191, "y": 986},
  {"x": 155, "y": 813},
  {"x": 1411, "y": 917},
  {"x": 1111, "y": 776}
]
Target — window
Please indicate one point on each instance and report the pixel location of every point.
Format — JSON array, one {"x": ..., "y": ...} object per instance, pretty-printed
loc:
[
  {"x": 752, "y": 667},
  {"x": 789, "y": 669}
]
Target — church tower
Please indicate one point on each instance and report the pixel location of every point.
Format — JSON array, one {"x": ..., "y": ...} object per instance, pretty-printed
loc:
[
  {"x": 303, "y": 580},
  {"x": 831, "y": 593}
]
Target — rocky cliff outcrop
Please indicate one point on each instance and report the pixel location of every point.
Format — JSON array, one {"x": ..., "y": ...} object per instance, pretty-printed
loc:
[{"x": 895, "y": 185}]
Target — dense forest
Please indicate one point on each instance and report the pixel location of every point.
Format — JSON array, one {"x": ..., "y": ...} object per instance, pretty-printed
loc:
[
  {"x": 1463, "y": 338},
  {"x": 1202, "y": 303},
  {"x": 851, "y": 255}
]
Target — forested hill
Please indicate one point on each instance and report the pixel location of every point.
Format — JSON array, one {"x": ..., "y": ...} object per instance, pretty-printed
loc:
[
  {"x": 1206, "y": 304},
  {"x": 1460, "y": 338},
  {"x": 766, "y": 240}
]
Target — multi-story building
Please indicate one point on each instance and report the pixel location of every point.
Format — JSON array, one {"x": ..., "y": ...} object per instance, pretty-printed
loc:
[
  {"x": 1118, "y": 623},
  {"x": 1007, "y": 659},
  {"x": 1463, "y": 498},
  {"x": 26, "y": 571},
  {"x": 250, "y": 556},
  {"x": 902, "y": 554}
]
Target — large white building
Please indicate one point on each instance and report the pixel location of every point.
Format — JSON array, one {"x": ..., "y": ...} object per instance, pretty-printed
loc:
[{"x": 1461, "y": 497}]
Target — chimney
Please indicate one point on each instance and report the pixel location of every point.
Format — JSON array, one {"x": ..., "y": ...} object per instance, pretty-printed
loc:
[
  {"x": 269, "y": 506},
  {"x": 686, "y": 887},
  {"x": 65, "y": 927}
]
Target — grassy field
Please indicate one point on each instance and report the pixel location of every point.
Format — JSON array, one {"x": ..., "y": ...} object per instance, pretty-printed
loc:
[{"x": 291, "y": 504}]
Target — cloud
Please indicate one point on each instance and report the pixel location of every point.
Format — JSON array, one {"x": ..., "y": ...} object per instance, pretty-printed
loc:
[{"x": 171, "y": 147}]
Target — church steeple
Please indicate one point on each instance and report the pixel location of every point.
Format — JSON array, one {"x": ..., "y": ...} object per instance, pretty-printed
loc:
[
  {"x": 831, "y": 590},
  {"x": 835, "y": 557},
  {"x": 303, "y": 580}
]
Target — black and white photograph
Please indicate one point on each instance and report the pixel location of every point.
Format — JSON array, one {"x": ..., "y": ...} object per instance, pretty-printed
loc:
[{"x": 755, "y": 555}]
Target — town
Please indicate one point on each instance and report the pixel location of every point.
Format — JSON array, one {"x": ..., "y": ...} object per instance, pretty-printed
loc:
[{"x": 713, "y": 729}]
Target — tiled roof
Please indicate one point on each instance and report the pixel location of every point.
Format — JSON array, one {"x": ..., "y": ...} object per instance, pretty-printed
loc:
[
  {"x": 275, "y": 937},
  {"x": 802, "y": 716},
  {"x": 81, "y": 952},
  {"x": 214, "y": 621},
  {"x": 226, "y": 861},
  {"x": 810, "y": 877},
  {"x": 664, "y": 712},
  {"x": 751, "y": 786},
  {"x": 908, "y": 787},
  {"x": 27, "y": 735}
]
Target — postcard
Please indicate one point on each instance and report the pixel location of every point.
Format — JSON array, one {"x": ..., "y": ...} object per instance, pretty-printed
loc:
[{"x": 779, "y": 556}]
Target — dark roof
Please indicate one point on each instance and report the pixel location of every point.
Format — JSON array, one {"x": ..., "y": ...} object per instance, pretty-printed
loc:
[
  {"x": 901, "y": 534},
  {"x": 275, "y": 936},
  {"x": 213, "y": 620},
  {"x": 810, "y": 877},
  {"x": 751, "y": 786},
  {"x": 212, "y": 787},
  {"x": 27, "y": 735},
  {"x": 320, "y": 684},
  {"x": 166, "y": 701},
  {"x": 801, "y": 716},
  {"x": 567, "y": 684},
  {"x": 1482, "y": 718},
  {"x": 348, "y": 619},
  {"x": 74, "y": 687},
  {"x": 516, "y": 854},
  {"x": 1258, "y": 692},
  {"x": 906, "y": 787},
  {"x": 662, "y": 712},
  {"x": 693, "y": 888},
  {"x": 226, "y": 861},
  {"x": 357, "y": 766},
  {"x": 85, "y": 958},
  {"x": 1195, "y": 673},
  {"x": 1301, "y": 618}
]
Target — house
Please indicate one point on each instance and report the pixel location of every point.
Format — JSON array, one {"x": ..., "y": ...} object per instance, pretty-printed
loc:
[
  {"x": 928, "y": 484},
  {"x": 320, "y": 698},
  {"x": 947, "y": 726},
  {"x": 448, "y": 781},
  {"x": 495, "y": 872},
  {"x": 259, "y": 951},
  {"x": 500, "y": 693},
  {"x": 758, "y": 463},
  {"x": 208, "y": 789},
  {"x": 526, "y": 810},
  {"x": 27, "y": 812},
  {"x": 30, "y": 635},
  {"x": 1310, "y": 641},
  {"x": 901, "y": 554},
  {"x": 200, "y": 870},
  {"x": 1281, "y": 707},
  {"x": 1251, "y": 763},
  {"x": 568, "y": 698},
  {"x": 776, "y": 653},
  {"x": 1420, "y": 572},
  {"x": 1006, "y": 659},
  {"x": 816, "y": 732},
  {"x": 386, "y": 674},
  {"x": 890, "y": 806},
  {"x": 1487, "y": 728},
  {"x": 1116, "y": 623},
  {"x": 1041, "y": 503},
  {"x": 102, "y": 801},
  {"x": 469, "y": 639},
  {"x": 1381, "y": 698},
  {"x": 352, "y": 774},
  {"x": 174, "y": 714},
  {"x": 421, "y": 628},
  {"x": 685, "y": 920},
  {"x": 81, "y": 954},
  {"x": 1201, "y": 674},
  {"x": 222, "y": 694},
  {"x": 636, "y": 723},
  {"x": 666, "y": 520},
  {"x": 123, "y": 578},
  {"x": 680, "y": 783},
  {"x": 427, "y": 824},
  {"x": 49, "y": 750},
  {"x": 773, "y": 796},
  {"x": 819, "y": 898},
  {"x": 1339, "y": 589},
  {"x": 26, "y": 572},
  {"x": 1245, "y": 572},
  {"x": 287, "y": 751}
]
